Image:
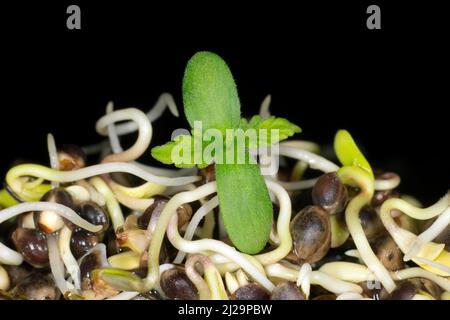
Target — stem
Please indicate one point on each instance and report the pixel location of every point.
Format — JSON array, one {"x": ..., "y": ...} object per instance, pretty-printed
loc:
[
  {"x": 193, "y": 224},
  {"x": 322, "y": 279},
  {"x": 56, "y": 265},
  {"x": 53, "y": 155},
  {"x": 114, "y": 210},
  {"x": 144, "y": 137},
  {"x": 213, "y": 288},
  {"x": 387, "y": 184},
  {"x": 34, "y": 170},
  {"x": 217, "y": 246},
  {"x": 313, "y": 160},
  {"x": 264, "y": 108},
  {"x": 158, "y": 236},
  {"x": 69, "y": 260},
  {"x": 360, "y": 177},
  {"x": 284, "y": 219}
]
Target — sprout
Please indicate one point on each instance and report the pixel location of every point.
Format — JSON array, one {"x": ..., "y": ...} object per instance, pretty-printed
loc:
[
  {"x": 217, "y": 246},
  {"x": 31, "y": 193},
  {"x": 211, "y": 287},
  {"x": 114, "y": 210},
  {"x": 313, "y": 160},
  {"x": 264, "y": 108},
  {"x": 210, "y": 97},
  {"x": 387, "y": 181},
  {"x": 56, "y": 264},
  {"x": 357, "y": 171},
  {"x": 78, "y": 193},
  {"x": 53, "y": 155},
  {"x": 327, "y": 281},
  {"x": 193, "y": 224},
  {"x": 69, "y": 261},
  {"x": 436, "y": 258},
  {"x": 231, "y": 282},
  {"x": 144, "y": 137},
  {"x": 4, "y": 279}
]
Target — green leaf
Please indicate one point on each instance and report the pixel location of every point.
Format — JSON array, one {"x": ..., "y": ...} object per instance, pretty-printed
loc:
[
  {"x": 285, "y": 129},
  {"x": 245, "y": 205},
  {"x": 209, "y": 92},
  {"x": 348, "y": 152}
]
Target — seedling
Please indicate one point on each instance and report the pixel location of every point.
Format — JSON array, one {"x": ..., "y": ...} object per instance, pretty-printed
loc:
[{"x": 211, "y": 100}]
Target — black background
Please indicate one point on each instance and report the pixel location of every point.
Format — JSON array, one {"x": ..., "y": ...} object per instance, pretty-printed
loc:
[{"x": 324, "y": 69}]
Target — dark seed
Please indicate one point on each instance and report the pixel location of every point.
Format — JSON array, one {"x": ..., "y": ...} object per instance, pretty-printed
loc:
[
  {"x": 404, "y": 291},
  {"x": 152, "y": 213},
  {"x": 371, "y": 223},
  {"x": 286, "y": 291},
  {"x": 389, "y": 253},
  {"x": 37, "y": 286},
  {"x": 177, "y": 286},
  {"x": 32, "y": 244},
  {"x": 330, "y": 193},
  {"x": 49, "y": 221},
  {"x": 93, "y": 213},
  {"x": 311, "y": 233},
  {"x": 71, "y": 157},
  {"x": 82, "y": 241},
  {"x": 251, "y": 291}
]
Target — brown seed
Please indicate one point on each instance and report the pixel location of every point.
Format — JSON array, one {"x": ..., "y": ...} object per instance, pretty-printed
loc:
[
  {"x": 177, "y": 286},
  {"x": 389, "y": 253},
  {"x": 82, "y": 241},
  {"x": 37, "y": 286},
  {"x": 404, "y": 291},
  {"x": 71, "y": 157},
  {"x": 330, "y": 193},
  {"x": 311, "y": 233},
  {"x": 152, "y": 213},
  {"x": 251, "y": 291},
  {"x": 32, "y": 244},
  {"x": 371, "y": 223},
  {"x": 49, "y": 221},
  {"x": 287, "y": 291}
]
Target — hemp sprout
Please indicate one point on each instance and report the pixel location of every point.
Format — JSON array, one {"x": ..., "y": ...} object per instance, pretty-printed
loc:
[
  {"x": 211, "y": 100},
  {"x": 226, "y": 223}
]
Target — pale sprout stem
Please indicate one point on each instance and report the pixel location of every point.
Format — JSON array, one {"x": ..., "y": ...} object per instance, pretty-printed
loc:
[
  {"x": 144, "y": 137},
  {"x": 94, "y": 195},
  {"x": 231, "y": 282},
  {"x": 17, "y": 185},
  {"x": 284, "y": 234},
  {"x": 69, "y": 260},
  {"x": 313, "y": 160},
  {"x": 241, "y": 278},
  {"x": 387, "y": 184},
  {"x": 217, "y": 246},
  {"x": 437, "y": 227},
  {"x": 4, "y": 279},
  {"x": 9, "y": 256},
  {"x": 56, "y": 264},
  {"x": 53, "y": 155},
  {"x": 407, "y": 241},
  {"x": 358, "y": 176},
  {"x": 158, "y": 236},
  {"x": 124, "y": 295},
  {"x": 114, "y": 210},
  {"x": 304, "y": 279},
  {"x": 264, "y": 111},
  {"x": 214, "y": 289},
  {"x": 329, "y": 282},
  {"x": 195, "y": 221}
]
